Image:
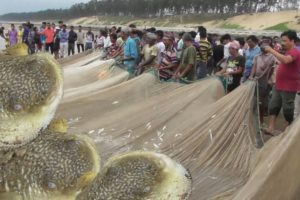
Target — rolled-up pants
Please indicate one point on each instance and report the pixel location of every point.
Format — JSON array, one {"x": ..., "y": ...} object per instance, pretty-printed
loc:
[{"x": 284, "y": 100}]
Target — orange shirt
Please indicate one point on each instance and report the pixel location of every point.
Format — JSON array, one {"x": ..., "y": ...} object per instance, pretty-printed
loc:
[{"x": 49, "y": 34}]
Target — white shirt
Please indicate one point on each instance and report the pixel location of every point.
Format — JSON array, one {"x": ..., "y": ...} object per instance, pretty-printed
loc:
[
  {"x": 226, "y": 50},
  {"x": 2, "y": 44},
  {"x": 161, "y": 46}
]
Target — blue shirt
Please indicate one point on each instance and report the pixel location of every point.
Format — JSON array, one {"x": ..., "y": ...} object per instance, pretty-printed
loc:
[
  {"x": 130, "y": 50},
  {"x": 64, "y": 36},
  {"x": 250, "y": 54}
]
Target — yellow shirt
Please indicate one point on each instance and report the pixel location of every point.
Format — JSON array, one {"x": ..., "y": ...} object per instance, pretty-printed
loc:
[{"x": 20, "y": 36}]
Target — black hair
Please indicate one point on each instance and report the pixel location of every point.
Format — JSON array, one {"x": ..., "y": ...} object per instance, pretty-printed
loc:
[
  {"x": 292, "y": 35},
  {"x": 203, "y": 33},
  {"x": 241, "y": 40},
  {"x": 193, "y": 34},
  {"x": 253, "y": 38},
  {"x": 181, "y": 34},
  {"x": 114, "y": 36},
  {"x": 160, "y": 33},
  {"x": 132, "y": 26},
  {"x": 225, "y": 37},
  {"x": 60, "y": 22}
]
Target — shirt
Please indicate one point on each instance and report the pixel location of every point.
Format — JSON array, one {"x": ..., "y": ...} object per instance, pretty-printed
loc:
[
  {"x": 80, "y": 38},
  {"x": 233, "y": 64},
  {"x": 287, "y": 76},
  {"x": 2, "y": 43},
  {"x": 148, "y": 52},
  {"x": 161, "y": 46},
  {"x": 63, "y": 36},
  {"x": 250, "y": 54},
  {"x": 49, "y": 34},
  {"x": 205, "y": 50},
  {"x": 189, "y": 58},
  {"x": 13, "y": 37},
  {"x": 72, "y": 37},
  {"x": 265, "y": 63},
  {"x": 169, "y": 57},
  {"x": 89, "y": 37},
  {"x": 130, "y": 50}
]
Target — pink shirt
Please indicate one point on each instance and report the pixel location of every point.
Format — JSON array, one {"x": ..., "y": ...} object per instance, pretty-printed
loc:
[{"x": 287, "y": 76}]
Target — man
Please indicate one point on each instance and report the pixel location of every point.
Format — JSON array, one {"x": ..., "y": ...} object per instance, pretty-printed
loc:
[
  {"x": 112, "y": 49},
  {"x": 63, "y": 41},
  {"x": 225, "y": 41},
  {"x": 56, "y": 45},
  {"x": 89, "y": 39},
  {"x": 186, "y": 71},
  {"x": 263, "y": 68},
  {"x": 13, "y": 35},
  {"x": 49, "y": 38},
  {"x": 42, "y": 37},
  {"x": 250, "y": 53},
  {"x": 180, "y": 45},
  {"x": 130, "y": 52},
  {"x": 2, "y": 40},
  {"x": 205, "y": 53},
  {"x": 71, "y": 41},
  {"x": 80, "y": 40},
  {"x": 287, "y": 81},
  {"x": 149, "y": 54},
  {"x": 169, "y": 61},
  {"x": 233, "y": 71},
  {"x": 20, "y": 34},
  {"x": 160, "y": 44}
]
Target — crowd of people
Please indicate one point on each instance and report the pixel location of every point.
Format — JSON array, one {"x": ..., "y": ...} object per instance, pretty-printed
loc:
[{"x": 185, "y": 57}]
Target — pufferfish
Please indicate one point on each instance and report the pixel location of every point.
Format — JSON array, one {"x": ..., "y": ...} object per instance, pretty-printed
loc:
[
  {"x": 40, "y": 163},
  {"x": 31, "y": 88}
]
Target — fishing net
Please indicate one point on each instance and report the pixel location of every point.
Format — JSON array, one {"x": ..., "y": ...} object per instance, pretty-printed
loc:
[{"x": 216, "y": 137}]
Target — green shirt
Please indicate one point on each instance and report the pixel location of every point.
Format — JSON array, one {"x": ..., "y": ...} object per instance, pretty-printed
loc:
[{"x": 189, "y": 58}]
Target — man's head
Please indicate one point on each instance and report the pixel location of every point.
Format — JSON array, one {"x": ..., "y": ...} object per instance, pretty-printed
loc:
[
  {"x": 180, "y": 35},
  {"x": 288, "y": 39},
  {"x": 53, "y": 26},
  {"x": 72, "y": 28},
  {"x": 168, "y": 40},
  {"x": 202, "y": 32},
  {"x": 60, "y": 24},
  {"x": 276, "y": 39},
  {"x": 241, "y": 41},
  {"x": 225, "y": 39},
  {"x": 193, "y": 34},
  {"x": 267, "y": 41},
  {"x": 234, "y": 47},
  {"x": 103, "y": 33},
  {"x": 44, "y": 24},
  {"x": 48, "y": 25},
  {"x": 124, "y": 34},
  {"x": 80, "y": 28},
  {"x": 89, "y": 29},
  {"x": 132, "y": 26},
  {"x": 113, "y": 37},
  {"x": 64, "y": 27},
  {"x": 187, "y": 39},
  {"x": 252, "y": 41},
  {"x": 159, "y": 34},
  {"x": 113, "y": 29},
  {"x": 151, "y": 38},
  {"x": 12, "y": 26},
  {"x": 20, "y": 28}
]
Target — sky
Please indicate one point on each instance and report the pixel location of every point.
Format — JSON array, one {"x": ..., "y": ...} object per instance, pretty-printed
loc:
[{"x": 7, "y": 6}]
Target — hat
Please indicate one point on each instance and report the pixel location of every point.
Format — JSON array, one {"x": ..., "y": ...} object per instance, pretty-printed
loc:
[
  {"x": 151, "y": 36},
  {"x": 234, "y": 45}
]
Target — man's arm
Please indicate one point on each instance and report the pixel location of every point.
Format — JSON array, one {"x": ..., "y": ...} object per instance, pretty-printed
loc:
[
  {"x": 286, "y": 59},
  {"x": 253, "y": 72}
]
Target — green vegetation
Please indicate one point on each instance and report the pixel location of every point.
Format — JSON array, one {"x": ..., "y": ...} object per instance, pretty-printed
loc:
[
  {"x": 231, "y": 26},
  {"x": 279, "y": 27}
]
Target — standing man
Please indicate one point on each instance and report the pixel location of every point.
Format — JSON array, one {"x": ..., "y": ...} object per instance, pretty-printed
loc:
[
  {"x": 72, "y": 39},
  {"x": 149, "y": 54},
  {"x": 80, "y": 40},
  {"x": 205, "y": 53},
  {"x": 250, "y": 53},
  {"x": 287, "y": 81},
  {"x": 13, "y": 35},
  {"x": 42, "y": 37},
  {"x": 64, "y": 37},
  {"x": 49, "y": 38},
  {"x": 89, "y": 39},
  {"x": 20, "y": 34},
  {"x": 186, "y": 71},
  {"x": 130, "y": 52},
  {"x": 160, "y": 44}
]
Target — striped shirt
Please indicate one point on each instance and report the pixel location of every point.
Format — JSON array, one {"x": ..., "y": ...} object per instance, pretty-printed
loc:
[
  {"x": 205, "y": 50},
  {"x": 168, "y": 57}
]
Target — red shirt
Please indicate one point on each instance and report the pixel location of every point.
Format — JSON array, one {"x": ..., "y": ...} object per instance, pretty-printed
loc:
[
  {"x": 288, "y": 77},
  {"x": 49, "y": 34}
]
